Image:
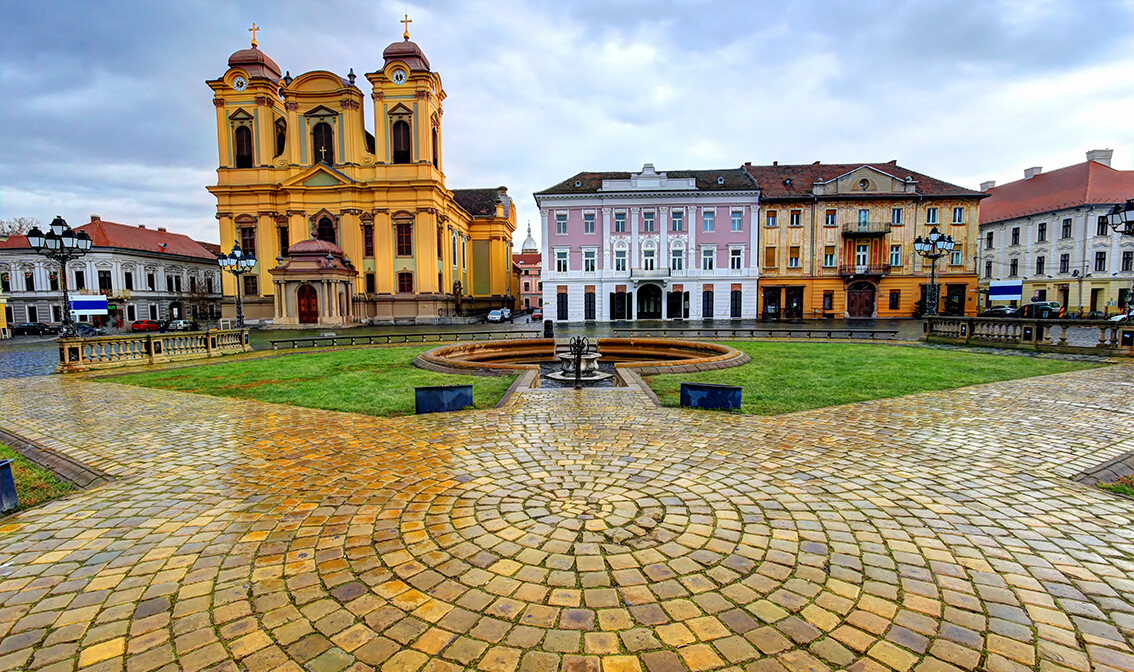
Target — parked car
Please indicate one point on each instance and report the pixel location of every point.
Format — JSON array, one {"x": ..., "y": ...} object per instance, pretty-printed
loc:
[
  {"x": 537, "y": 314},
  {"x": 180, "y": 325},
  {"x": 146, "y": 325},
  {"x": 507, "y": 314},
  {"x": 84, "y": 329},
  {"x": 495, "y": 316},
  {"x": 1122, "y": 317},
  {"x": 999, "y": 311},
  {"x": 1043, "y": 310},
  {"x": 34, "y": 329}
]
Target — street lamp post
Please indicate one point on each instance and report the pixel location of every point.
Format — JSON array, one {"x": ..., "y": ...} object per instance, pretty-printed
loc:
[
  {"x": 61, "y": 244},
  {"x": 1121, "y": 219},
  {"x": 238, "y": 263},
  {"x": 933, "y": 247},
  {"x": 1080, "y": 277}
]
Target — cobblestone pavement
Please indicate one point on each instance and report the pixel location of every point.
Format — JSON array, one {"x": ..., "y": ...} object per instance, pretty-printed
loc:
[
  {"x": 28, "y": 356},
  {"x": 577, "y": 532}
]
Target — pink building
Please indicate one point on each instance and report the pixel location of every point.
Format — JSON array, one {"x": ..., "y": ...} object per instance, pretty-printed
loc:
[
  {"x": 650, "y": 245},
  {"x": 530, "y": 262}
]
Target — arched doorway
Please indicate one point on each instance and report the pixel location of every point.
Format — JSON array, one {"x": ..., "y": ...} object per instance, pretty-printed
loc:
[
  {"x": 175, "y": 311},
  {"x": 860, "y": 300},
  {"x": 307, "y": 304},
  {"x": 649, "y": 302}
]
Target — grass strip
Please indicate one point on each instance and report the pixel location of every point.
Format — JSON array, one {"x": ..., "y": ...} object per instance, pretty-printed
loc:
[
  {"x": 372, "y": 381},
  {"x": 34, "y": 484},
  {"x": 789, "y": 377}
]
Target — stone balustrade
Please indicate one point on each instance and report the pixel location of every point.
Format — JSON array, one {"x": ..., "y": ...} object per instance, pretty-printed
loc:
[
  {"x": 1081, "y": 336},
  {"x": 107, "y": 352}
]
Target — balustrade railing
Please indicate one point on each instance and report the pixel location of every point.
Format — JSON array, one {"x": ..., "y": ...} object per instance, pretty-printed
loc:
[
  {"x": 103, "y": 352},
  {"x": 1063, "y": 335}
]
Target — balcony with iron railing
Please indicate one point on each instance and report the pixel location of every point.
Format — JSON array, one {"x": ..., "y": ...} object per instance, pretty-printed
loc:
[
  {"x": 848, "y": 270},
  {"x": 860, "y": 229}
]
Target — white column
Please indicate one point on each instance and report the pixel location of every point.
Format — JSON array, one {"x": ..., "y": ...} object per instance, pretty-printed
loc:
[
  {"x": 634, "y": 238},
  {"x": 752, "y": 268},
  {"x": 607, "y": 254},
  {"x": 545, "y": 243},
  {"x": 663, "y": 235}
]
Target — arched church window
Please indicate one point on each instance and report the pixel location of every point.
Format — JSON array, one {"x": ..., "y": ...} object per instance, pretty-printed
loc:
[
  {"x": 401, "y": 132},
  {"x": 281, "y": 136},
  {"x": 436, "y": 162},
  {"x": 243, "y": 137},
  {"x": 326, "y": 230},
  {"x": 324, "y": 143}
]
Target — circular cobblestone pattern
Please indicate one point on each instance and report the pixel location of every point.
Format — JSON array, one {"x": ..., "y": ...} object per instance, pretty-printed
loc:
[{"x": 576, "y": 532}]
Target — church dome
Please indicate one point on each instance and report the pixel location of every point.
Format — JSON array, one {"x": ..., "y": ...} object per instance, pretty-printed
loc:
[
  {"x": 530, "y": 246},
  {"x": 256, "y": 63},
  {"x": 314, "y": 247},
  {"x": 409, "y": 53}
]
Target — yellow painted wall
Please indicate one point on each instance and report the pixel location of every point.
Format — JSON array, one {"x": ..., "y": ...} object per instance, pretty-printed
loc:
[{"x": 361, "y": 186}]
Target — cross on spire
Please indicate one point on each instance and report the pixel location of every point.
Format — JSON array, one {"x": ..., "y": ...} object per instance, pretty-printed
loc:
[
  {"x": 405, "y": 22},
  {"x": 253, "y": 30},
  {"x": 323, "y": 153}
]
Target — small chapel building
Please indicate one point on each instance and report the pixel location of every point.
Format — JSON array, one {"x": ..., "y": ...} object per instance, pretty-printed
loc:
[{"x": 298, "y": 163}]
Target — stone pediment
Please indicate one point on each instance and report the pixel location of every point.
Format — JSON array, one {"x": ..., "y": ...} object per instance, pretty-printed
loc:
[
  {"x": 319, "y": 175},
  {"x": 865, "y": 180}
]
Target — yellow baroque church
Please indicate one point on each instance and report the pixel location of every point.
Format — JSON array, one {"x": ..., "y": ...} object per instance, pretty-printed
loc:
[{"x": 395, "y": 245}]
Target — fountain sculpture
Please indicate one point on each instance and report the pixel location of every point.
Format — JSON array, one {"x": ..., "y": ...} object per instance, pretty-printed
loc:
[{"x": 579, "y": 363}]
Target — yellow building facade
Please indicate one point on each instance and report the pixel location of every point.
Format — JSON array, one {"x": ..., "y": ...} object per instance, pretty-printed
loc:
[
  {"x": 297, "y": 162},
  {"x": 837, "y": 240}
]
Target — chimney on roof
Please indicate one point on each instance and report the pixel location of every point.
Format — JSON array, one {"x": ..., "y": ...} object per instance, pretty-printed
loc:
[
  {"x": 1102, "y": 156},
  {"x": 161, "y": 228},
  {"x": 141, "y": 226},
  {"x": 985, "y": 186},
  {"x": 96, "y": 218},
  {"x": 748, "y": 163},
  {"x": 1029, "y": 173},
  {"x": 775, "y": 163}
]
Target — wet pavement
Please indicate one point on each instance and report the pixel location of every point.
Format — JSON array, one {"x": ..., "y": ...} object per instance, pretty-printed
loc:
[{"x": 576, "y": 531}]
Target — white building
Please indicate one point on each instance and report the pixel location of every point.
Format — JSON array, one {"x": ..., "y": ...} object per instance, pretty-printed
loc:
[
  {"x": 145, "y": 273},
  {"x": 1046, "y": 231},
  {"x": 650, "y": 245}
]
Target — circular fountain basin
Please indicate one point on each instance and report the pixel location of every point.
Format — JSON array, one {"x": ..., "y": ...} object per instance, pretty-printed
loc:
[{"x": 641, "y": 356}]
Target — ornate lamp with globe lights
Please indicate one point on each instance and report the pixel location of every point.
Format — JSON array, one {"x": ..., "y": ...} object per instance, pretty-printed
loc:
[
  {"x": 1121, "y": 219},
  {"x": 238, "y": 263},
  {"x": 933, "y": 247},
  {"x": 61, "y": 244}
]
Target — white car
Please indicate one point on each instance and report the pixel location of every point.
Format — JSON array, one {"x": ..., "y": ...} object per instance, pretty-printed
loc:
[
  {"x": 1121, "y": 317},
  {"x": 496, "y": 316}
]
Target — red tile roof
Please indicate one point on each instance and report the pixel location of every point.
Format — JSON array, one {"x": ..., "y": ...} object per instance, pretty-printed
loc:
[
  {"x": 121, "y": 236},
  {"x": 1087, "y": 183},
  {"x": 527, "y": 258},
  {"x": 796, "y": 181}
]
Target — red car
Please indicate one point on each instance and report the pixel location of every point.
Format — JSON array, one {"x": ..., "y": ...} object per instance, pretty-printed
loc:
[{"x": 145, "y": 325}]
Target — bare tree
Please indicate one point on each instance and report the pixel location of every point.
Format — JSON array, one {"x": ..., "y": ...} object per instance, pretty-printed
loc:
[{"x": 17, "y": 226}]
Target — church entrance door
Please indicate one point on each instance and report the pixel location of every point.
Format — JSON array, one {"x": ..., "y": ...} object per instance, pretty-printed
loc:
[{"x": 307, "y": 305}]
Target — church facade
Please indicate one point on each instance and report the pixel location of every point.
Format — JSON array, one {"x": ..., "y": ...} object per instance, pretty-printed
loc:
[{"x": 297, "y": 163}]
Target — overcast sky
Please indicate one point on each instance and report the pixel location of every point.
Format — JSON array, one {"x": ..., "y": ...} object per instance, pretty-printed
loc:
[{"x": 105, "y": 109}]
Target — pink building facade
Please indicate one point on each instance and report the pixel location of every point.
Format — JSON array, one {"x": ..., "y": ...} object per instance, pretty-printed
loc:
[
  {"x": 530, "y": 262},
  {"x": 650, "y": 246}
]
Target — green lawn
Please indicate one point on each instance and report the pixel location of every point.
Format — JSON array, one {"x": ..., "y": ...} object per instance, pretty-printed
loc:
[
  {"x": 374, "y": 381},
  {"x": 34, "y": 484},
  {"x": 787, "y": 377}
]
